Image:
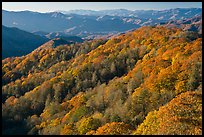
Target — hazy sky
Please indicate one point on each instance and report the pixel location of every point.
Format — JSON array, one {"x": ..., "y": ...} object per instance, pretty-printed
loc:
[{"x": 54, "y": 6}]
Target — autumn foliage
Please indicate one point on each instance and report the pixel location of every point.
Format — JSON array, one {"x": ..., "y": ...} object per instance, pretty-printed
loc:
[
  {"x": 143, "y": 82},
  {"x": 181, "y": 116}
]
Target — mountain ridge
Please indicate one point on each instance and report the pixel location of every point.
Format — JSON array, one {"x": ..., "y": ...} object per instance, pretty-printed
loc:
[
  {"x": 19, "y": 43},
  {"x": 91, "y": 25}
]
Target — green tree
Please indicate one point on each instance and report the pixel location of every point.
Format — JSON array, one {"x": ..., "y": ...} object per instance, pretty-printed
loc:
[{"x": 88, "y": 124}]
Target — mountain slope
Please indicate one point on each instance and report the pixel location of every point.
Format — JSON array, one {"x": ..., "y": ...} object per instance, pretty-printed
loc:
[
  {"x": 16, "y": 42},
  {"x": 189, "y": 24},
  {"x": 102, "y": 87}
]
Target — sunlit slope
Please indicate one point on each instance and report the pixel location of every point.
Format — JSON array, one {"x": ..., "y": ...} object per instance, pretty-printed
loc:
[{"x": 181, "y": 116}]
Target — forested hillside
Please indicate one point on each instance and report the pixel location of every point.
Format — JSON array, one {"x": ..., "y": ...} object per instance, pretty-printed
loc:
[{"x": 147, "y": 81}]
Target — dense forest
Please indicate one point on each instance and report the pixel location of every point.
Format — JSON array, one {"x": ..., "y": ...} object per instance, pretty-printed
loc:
[{"x": 148, "y": 81}]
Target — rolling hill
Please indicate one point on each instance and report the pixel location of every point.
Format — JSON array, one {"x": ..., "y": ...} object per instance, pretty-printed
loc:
[
  {"x": 21, "y": 43},
  {"x": 16, "y": 42}
]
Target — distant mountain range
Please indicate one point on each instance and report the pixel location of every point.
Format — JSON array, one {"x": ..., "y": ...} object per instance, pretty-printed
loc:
[
  {"x": 177, "y": 13},
  {"x": 88, "y": 23},
  {"x": 72, "y": 24}
]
